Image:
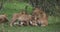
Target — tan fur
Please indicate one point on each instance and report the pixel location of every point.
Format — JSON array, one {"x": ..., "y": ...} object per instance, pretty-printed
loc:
[
  {"x": 22, "y": 17},
  {"x": 14, "y": 17},
  {"x": 33, "y": 22},
  {"x": 3, "y": 18},
  {"x": 25, "y": 18},
  {"x": 40, "y": 16},
  {"x": 43, "y": 20}
]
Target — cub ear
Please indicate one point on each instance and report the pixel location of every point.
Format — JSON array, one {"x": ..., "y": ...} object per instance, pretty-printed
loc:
[{"x": 5, "y": 15}]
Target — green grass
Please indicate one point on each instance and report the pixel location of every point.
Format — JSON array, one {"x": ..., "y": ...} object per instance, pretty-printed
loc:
[{"x": 10, "y": 8}]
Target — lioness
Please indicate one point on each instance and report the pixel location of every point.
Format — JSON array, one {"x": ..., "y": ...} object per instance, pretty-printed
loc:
[{"x": 22, "y": 17}]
